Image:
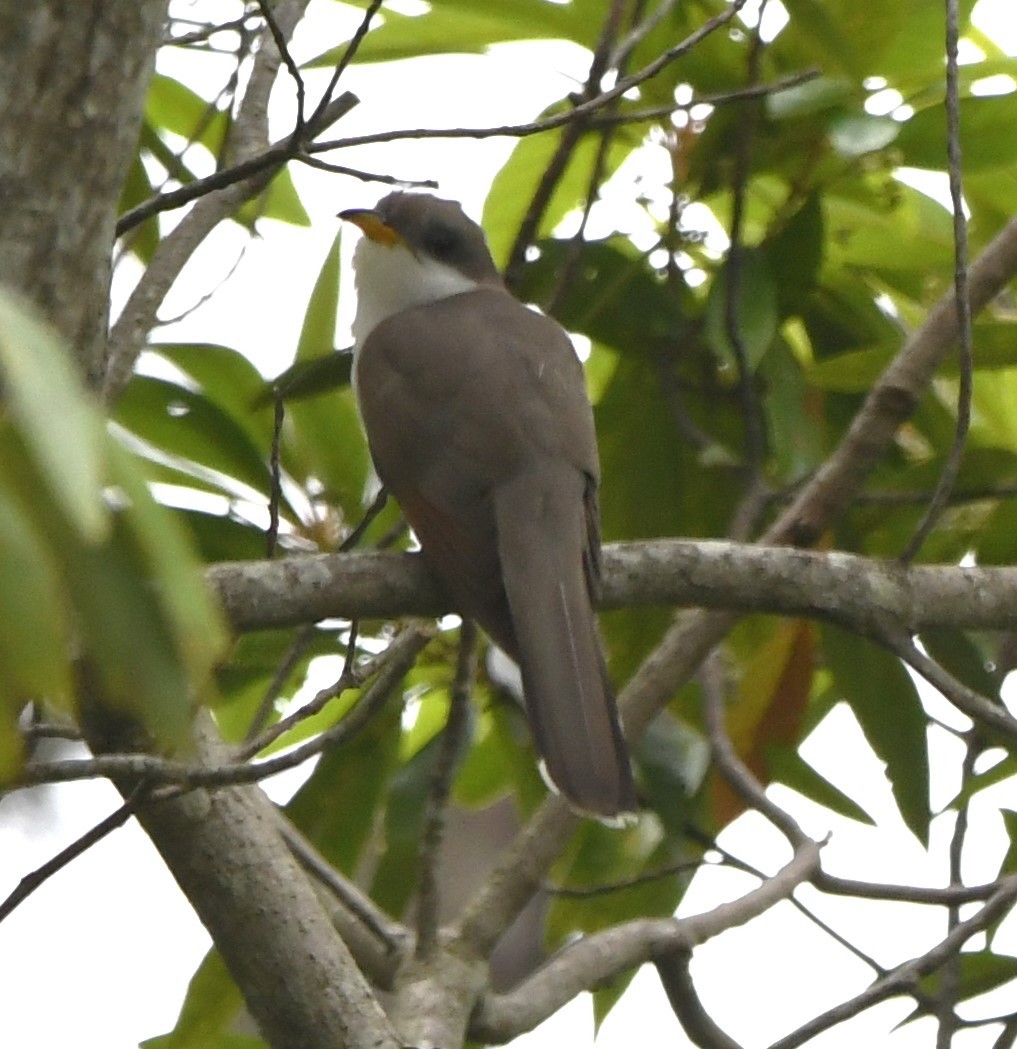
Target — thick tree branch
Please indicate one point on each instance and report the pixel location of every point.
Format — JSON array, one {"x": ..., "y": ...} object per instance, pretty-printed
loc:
[
  {"x": 69, "y": 121},
  {"x": 860, "y": 593},
  {"x": 224, "y": 848}
]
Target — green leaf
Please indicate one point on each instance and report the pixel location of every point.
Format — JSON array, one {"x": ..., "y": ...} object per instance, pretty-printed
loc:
[
  {"x": 218, "y": 537},
  {"x": 957, "y": 653},
  {"x": 795, "y": 254},
  {"x": 149, "y": 628},
  {"x": 854, "y": 372},
  {"x": 255, "y": 658},
  {"x": 485, "y": 773},
  {"x": 61, "y": 427},
  {"x": 600, "y": 857},
  {"x": 1009, "y": 864},
  {"x": 794, "y": 431},
  {"x": 194, "y": 619},
  {"x": 994, "y": 412},
  {"x": 210, "y": 1007},
  {"x": 620, "y": 302},
  {"x": 279, "y": 201},
  {"x": 1003, "y": 770},
  {"x": 33, "y": 611},
  {"x": 460, "y": 28},
  {"x": 902, "y": 236},
  {"x": 512, "y": 190},
  {"x": 843, "y": 36},
  {"x": 226, "y": 377},
  {"x": 814, "y": 96},
  {"x": 184, "y": 423},
  {"x": 337, "y": 807},
  {"x": 172, "y": 106},
  {"x": 309, "y": 378},
  {"x": 884, "y": 699},
  {"x": 980, "y": 972},
  {"x": 143, "y": 239},
  {"x": 755, "y": 311},
  {"x": 788, "y": 766},
  {"x": 995, "y": 348},
  {"x": 986, "y": 135},
  {"x": 326, "y": 435},
  {"x": 855, "y": 134},
  {"x": 395, "y": 877}
]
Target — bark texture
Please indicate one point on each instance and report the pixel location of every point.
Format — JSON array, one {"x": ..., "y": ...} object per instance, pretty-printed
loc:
[{"x": 72, "y": 88}]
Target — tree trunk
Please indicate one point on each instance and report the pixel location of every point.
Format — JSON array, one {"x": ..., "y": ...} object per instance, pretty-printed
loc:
[{"x": 72, "y": 88}]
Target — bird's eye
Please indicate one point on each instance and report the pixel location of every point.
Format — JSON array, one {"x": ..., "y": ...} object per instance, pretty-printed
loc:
[{"x": 441, "y": 241}]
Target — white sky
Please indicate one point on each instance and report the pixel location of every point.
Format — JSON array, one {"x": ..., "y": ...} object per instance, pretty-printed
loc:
[{"x": 101, "y": 955}]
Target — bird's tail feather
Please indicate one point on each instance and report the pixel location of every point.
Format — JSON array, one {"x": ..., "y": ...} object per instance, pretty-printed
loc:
[{"x": 569, "y": 699}]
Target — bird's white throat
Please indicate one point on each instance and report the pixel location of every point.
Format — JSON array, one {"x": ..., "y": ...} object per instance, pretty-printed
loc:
[{"x": 391, "y": 278}]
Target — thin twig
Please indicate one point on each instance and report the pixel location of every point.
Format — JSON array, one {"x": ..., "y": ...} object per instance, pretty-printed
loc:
[
  {"x": 583, "y": 109},
  {"x": 639, "y": 33},
  {"x": 303, "y": 639},
  {"x": 933, "y": 896},
  {"x": 753, "y": 501},
  {"x": 583, "y": 892},
  {"x": 389, "y": 933},
  {"x": 291, "y": 66},
  {"x": 282, "y": 151},
  {"x": 364, "y": 176},
  {"x": 275, "y": 471},
  {"x": 951, "y": 468},
  {"x": 203, "y": 30},
  {"x": 904, "y": 979},
  {"x": 1008, "y": 1036},
  {"x": 673, "y": 969},
  {"x": 347, "y": 57},
  {"x": 351, "y": 676},
  {"x": 50, "y": 730},
  {"x": 948, "y": 992},
  {"x": 376, "y": 507},
  {"x": 275, "y": 156},
  {"x": 730, "y": 766},
  {"x": 982, "y": 710},
  {"x": 570, "y": 268},
  {"x": 453, "y": 740},
  {"x": 567, "y": 143},
  {"x": 30, "y": 882},
  {"x": 720, "y": 98},
  {"x": 160, "y": 771}
]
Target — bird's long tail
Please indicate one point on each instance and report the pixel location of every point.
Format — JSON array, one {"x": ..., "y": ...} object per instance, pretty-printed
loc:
[{"x": 569, "y": 699}]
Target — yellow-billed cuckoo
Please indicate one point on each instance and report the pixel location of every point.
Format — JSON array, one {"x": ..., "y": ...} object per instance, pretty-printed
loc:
[{"x": 478, "y": 423}]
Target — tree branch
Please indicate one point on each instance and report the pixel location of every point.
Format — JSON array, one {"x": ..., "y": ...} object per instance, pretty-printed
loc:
[
  {"x": 66, "y": 141},
  {"x": 600, "y": 957},
  {"x": 249, "y": 142},
  {"x": 224, "y": 848},
  {"x": 232, "y": 769},
  {"x": 904, "y": 978},
  {"x": 862, "y": 594},
  {"x": 580, "y": 111},
  {"x": 892, "y": 400}
]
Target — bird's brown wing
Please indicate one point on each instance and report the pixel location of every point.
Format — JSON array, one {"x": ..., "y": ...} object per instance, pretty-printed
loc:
[{"x": 485, "y": 436}]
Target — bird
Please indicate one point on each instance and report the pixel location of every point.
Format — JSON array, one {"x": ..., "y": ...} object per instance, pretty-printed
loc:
[{"x": 478, "y": 422}]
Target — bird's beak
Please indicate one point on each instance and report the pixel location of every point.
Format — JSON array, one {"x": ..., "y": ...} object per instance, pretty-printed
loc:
[{"x": 368, "y": 222}]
